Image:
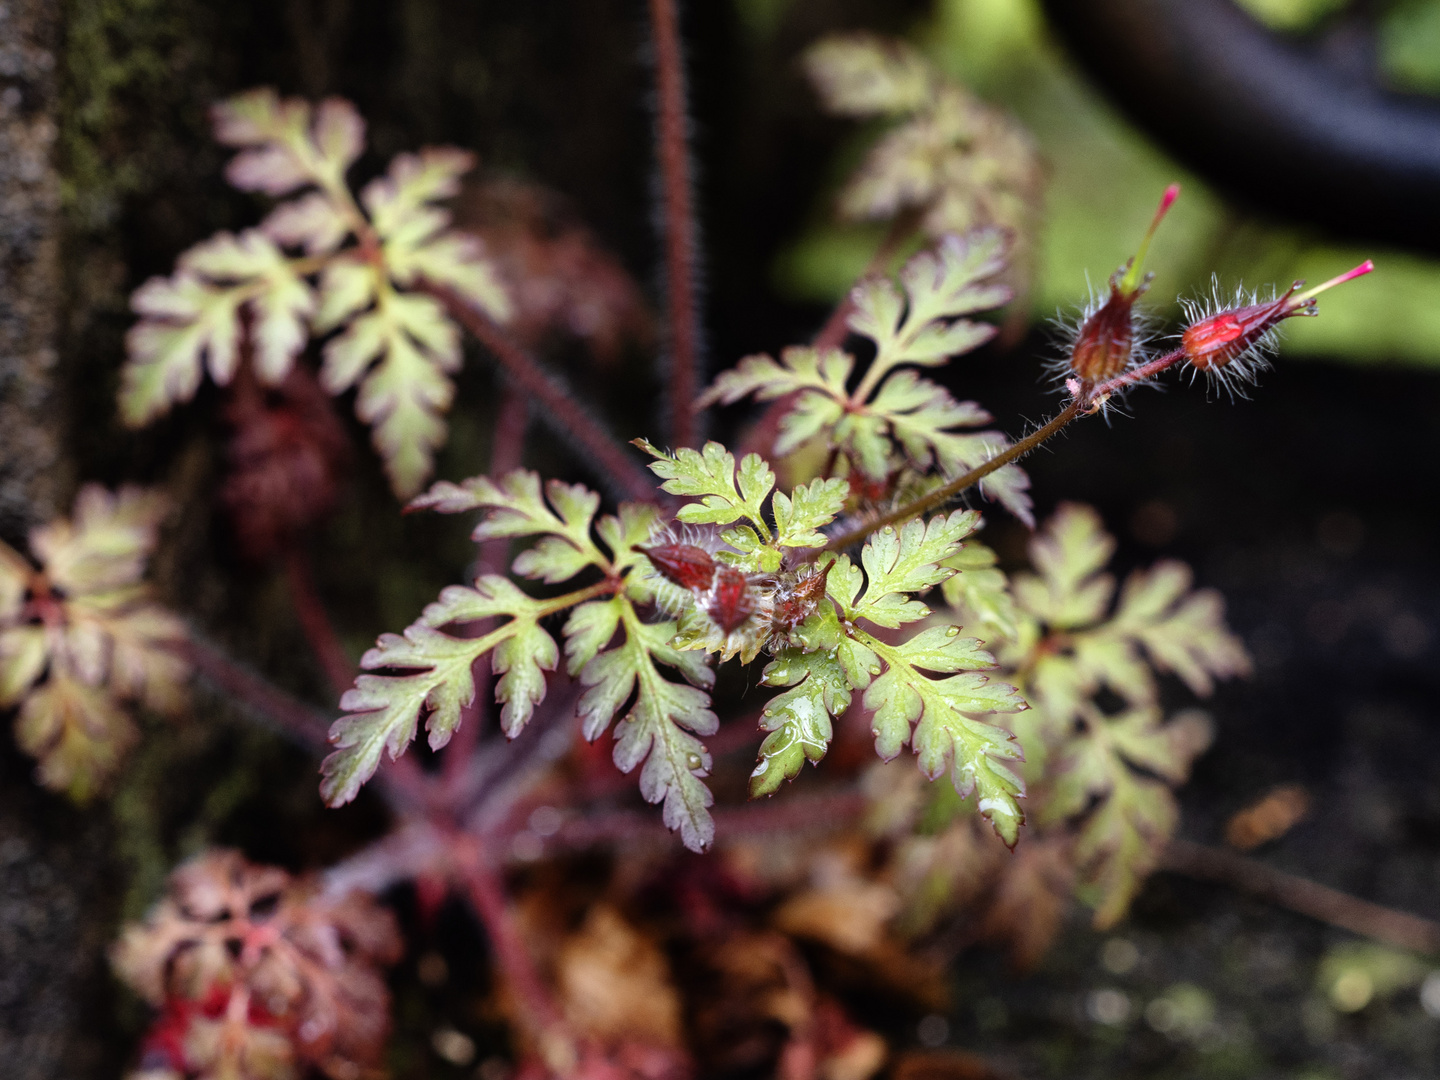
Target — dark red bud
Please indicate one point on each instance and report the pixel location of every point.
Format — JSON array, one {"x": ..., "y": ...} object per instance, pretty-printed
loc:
[
  {"x": 1218, "y": 339},
  {"x": 1102, "y": 349},
  {"x": 1107, "y": 338},
  {"x": 729, "y": 602},
  {"x": 686, "y": 565},
  {"x": 1215, "y": 341}
]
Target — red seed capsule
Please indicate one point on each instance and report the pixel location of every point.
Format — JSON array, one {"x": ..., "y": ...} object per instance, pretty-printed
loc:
[
  {"x": 685, "y": 565},
  {"x": 1216, "y": 341},
  {"x": 729, "y": 602},
  {"x": 1106, "y": 339},
  {"x": 1213, "y": 342}
]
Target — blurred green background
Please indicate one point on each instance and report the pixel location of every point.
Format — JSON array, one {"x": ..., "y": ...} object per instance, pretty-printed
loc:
[{"x": 1104, "y": 178}]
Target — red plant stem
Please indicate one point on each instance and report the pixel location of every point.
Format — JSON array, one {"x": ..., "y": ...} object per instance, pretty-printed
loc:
[
  {"x": 487, "y": 895},
  {"x": 307, "y": 725},
  {"x": 673, "y": 151},
  {"x": 819, "y": 812},
  {"x": 235, "y": 680},
  {"x": 319, "y": 631},
  {"x": 565, "y": 415},
  {"x": 1397, "y": 928},
  {"x": 1088, "y": 401}
]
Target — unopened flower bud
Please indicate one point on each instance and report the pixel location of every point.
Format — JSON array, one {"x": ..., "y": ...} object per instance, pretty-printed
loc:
[
  {"x": 729, "y": 602},
  {"x": 1231, "y": 337},
  {"x": 685, "y": 565},
  {"x": 1106, "y": 340}
]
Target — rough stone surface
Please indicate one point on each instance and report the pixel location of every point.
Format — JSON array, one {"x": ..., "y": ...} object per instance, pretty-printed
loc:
[
  {"x": 30, "y": 418},
  {"x": 54, "y": 923}
]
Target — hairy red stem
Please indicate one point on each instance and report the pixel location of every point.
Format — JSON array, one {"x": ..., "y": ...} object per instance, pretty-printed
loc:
[
  {"x": 306, "y": 724},
  {"x": 1397, "y": 928},
  {"x": 673, "y": 151},
  {"x": 944, "y": 494},
  {"x": 235, "y": 680},
  {"x": 565, "y": 415},
  {"x": 315, "y": 621},
  {"x": 818, "y": 812},
  {"x": 1077, "y": 407},
  {"x": 487, "y": 895}
]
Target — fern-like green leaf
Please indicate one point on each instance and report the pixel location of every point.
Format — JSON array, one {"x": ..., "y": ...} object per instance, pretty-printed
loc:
[
  {"x": 924, "y": 326},
  {"x": 663, "y": 721},
  {"x": 950, "y": 158},
  {"x": 805, "y": 510},
  {"x": 412, "y": 230},
  {"x": 383, "y": 710},
  {"x": 799, "y": 719},
  {"x": 1123, "y": 836},
  {"x": 982, "y": 590},
  {"x": 1182, "y": 631},
  {"x": 711, "y": 477},
  {"x": 1070, "y": 553},
  {"x": 191, "y": 322},
  {"x": 908, "y": 560},
  {"x": 516, "y": 508},
  {"x": 78, "y": 733},
  {"x": 102, "y": 645},
  {"x": 413, "y": 346},
  {"x": 867, "y": 75},
  {"x": 285, "y": 144},
  {"x": 935, "y": 716}
]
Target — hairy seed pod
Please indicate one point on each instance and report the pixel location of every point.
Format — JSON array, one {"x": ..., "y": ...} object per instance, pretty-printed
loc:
[
  {"x": 1102, "y": 349},
  {"x": 685, "y": 565},
  {"x": 1215, "y": 341},
  {"x": 1106, "y": 339}
]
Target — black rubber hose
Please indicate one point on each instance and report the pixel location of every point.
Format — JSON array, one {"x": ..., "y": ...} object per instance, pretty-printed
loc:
[{"x": 1276, "y": 124}]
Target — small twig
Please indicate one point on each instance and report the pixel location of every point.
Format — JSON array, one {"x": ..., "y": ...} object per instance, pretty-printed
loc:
[
  {"x": 315, "y": 621},
  {"x": 1398, "y": 928},
  {"x": 565, "y": 415},
  {"x": 948, "y": 491},
  {"x": 673, "y": 151}
]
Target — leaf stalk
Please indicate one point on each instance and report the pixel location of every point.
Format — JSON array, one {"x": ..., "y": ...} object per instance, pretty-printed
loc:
[
  {"x": 565, "y": 415},
  {"x": 673, "y": 152}
]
